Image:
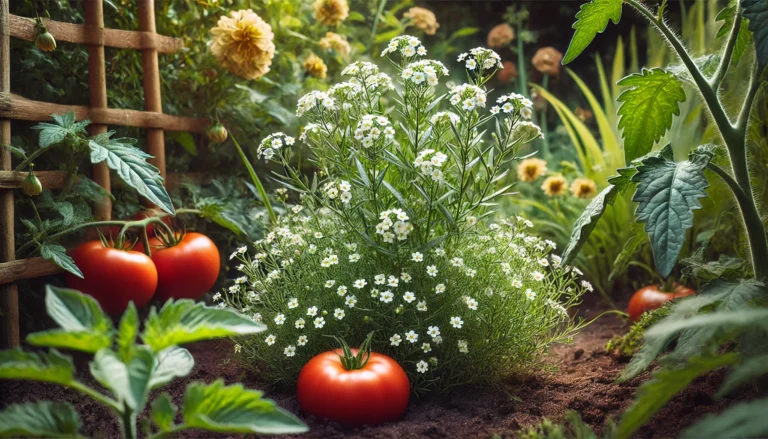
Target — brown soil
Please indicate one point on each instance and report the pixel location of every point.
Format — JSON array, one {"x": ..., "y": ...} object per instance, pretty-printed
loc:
[{"x": 583, "y": 380}]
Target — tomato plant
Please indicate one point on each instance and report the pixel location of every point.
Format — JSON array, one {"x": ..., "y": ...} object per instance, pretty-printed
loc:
[
  {"x": 152, "y": 213},
  {"x": 354, "y": 387},
  {"x": 187, "y": 265},
  {"x": 113, "y": 276},
  {"x": 653, "y": 297}
]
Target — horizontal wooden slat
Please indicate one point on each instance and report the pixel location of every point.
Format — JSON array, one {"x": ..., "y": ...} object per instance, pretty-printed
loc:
[
  {"x": 27, "y": 269},
  {"x": 24, "y": 28},
  {"x": 55, "y": 179},
  {"x": 13, "y": 106}
]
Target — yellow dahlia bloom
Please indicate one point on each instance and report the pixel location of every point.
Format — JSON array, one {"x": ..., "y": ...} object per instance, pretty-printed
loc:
[
  {"x": 547, "y": 60},
  {"x": 315, "y": 66},
  {"x": 583, "y": 188},
  {"x": 242, "y": 43},
  {"x": 500, "y": 36},
  {"x": 331, "y": 12},
  {"x": 530, "y": 169},
  {"x": 555, "y": 186},
  {"x": 423, "y": 19},
  {"x": 336, "y": 42}
]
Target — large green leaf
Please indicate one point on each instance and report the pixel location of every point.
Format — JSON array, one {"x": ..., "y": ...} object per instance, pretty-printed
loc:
[
  {"x": 84, "y": 326},
  {"x": 587, "y": 222},
  {"x": 40, "y": 419},
  {"x": 233, "y": 409},
  {"x": 757, "y": 13},
  {"x": 171, "y": 363},
  {"x": 746, "y": 419},
  {"x": 64, "y": 125},
  {"x": 646, "y": 110},
  {"x": 668, "y": 193},
  {"x": 58, "y": 255},
  {"x": 184, "y": 321},
  {"x": 665, "y": 384},
  {"x": 49, "y": 367},
  {"x": 727, "y": 16},
  {"x": 131, "y": 165},
  {"x": 745, "y": 372},
  {"x": 129, "y": 382},
  {"x": 591, "y": 20}
]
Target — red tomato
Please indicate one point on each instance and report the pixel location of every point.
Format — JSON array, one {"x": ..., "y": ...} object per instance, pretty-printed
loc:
[
  {"x": 188, "y": 269},
  {"x": 651, "y": 297},
  {"x": 372, "y": 395},
  {"x": 112, "y": 276},
  {"x": 151, "y": 213}
]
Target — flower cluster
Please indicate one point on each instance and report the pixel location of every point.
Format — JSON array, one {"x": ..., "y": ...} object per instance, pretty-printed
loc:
[
  {"x": 407, "y": 45},
  {"x": 315, "y": 101},
  {"x": 394, "y": 224},
  {"x": 242, "y": 43},
  {"x": 467, "y": 97},
  {"x": 529, "y": 170},
  {"x": 342, "y": 191},
  {"x": 368, "y": 77},
  {"x": 429, "y": 162},
  {"x": 480, "y": 58},
  {"x": 514, "y": 103},
  {"x": 423, "y": 19},
  {"x": 272, "y": 144},
  {"x": 373, "y": 129},
  {"x": 425, "y": 71},
  {"x": 445, "y": 119}
]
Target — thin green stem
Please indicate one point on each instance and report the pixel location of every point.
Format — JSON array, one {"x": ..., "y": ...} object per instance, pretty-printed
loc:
[
  {"x": 725, "y": 59},
  {"x": 376, "y": 20},
  {"x": 95, "y": 395},
  {"x": 754, "y": 87},
  {"x": 30, "y": 158},
  {"x": 256, "y": 181}
]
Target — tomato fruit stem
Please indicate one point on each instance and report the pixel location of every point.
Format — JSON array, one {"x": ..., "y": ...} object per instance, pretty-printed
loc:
[{"x": 359, "y": 361}]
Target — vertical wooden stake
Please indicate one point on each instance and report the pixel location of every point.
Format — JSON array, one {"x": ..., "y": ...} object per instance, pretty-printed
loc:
[
  {"x": 97, "y": 81},
  {"x": 152, "y": 100},
  {"x": 9, "y": 293}
]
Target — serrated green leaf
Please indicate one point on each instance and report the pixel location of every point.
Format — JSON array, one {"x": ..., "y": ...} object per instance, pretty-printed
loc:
[
  {"x": 58, "y": 255},
  {"x": 53, "y": 133},
  {"x": 163, "y": 412},
  {"x": 746, "y": 419},
  {"x": 233, "y": 409},
  {"x": 665, "y": 384},
  {"x": 84, "y": 326},
  {"x": 131, "y": 165},
  {"x": 587, "y": 222},
  {"x": 49, "y": 367},
  {"x": 748, "y": 370},
  {"x": 171, "y": 363},
  {"x": 592, "y": 19},
  {"x": 40, "y": 419},
  {"x": 668, "y": 192},
  {"x": 756, "y": 11},
  {"x": 727, "y": 15},
  {"x": 733, "y": 319},
  {"x": 184, "y": 321},
  {"x": 129, "y": 381},
  {"x": 127, "y": 333},
  {"x": 646, "y": 110}
]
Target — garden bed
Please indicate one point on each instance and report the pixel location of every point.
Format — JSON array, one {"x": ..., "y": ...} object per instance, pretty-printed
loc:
[{"x": 584, "y": 382}]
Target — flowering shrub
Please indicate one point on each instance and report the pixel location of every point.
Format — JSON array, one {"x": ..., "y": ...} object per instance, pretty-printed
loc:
[{"x": 393, "y": 233}]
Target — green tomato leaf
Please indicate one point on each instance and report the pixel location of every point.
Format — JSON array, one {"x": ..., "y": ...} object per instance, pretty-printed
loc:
[
  {"x": 127, "y": 332},
  {"x": 163, "y": 412},
  {"x": 49, "y": 367},
  {"x": 40, "y": 419},
  {"x": 746, "y": 419},
  {"x": 668, "y": 193},
  {"x": 131, "y": 165},
  {"x": 756, "y": 11},
  {"x": 727, "y": 16},
  {"x": 233, "y": 409},
  {"x": 666, "y": 383},
  {"x": 129, "y": 381},
  {"x": 173, "y": 362},
  {"x": 744, "y": 373},
  {"x": 591, "y": 20},
  {"x": 58, "y": 255},
  {"x": 54, "y": 133},
  {"x": 184, "y": 321},
  {"x": 647, "y": 107},
  {"x": 587, "y": 222},
  {"x": 84, "y": 326}
]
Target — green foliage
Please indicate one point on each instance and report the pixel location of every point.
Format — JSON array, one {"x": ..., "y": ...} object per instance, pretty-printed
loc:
[
  {"x": 131, "y": 371},
  {"x": 591, "y": 20},
  {"x": 647, "y": 107},
  {"x": 746, "y": 419},
  {"x": 727, "y": 16},
  {"x": 627, "y": 344},
  {"x": 757, "y": 13},
  {"x": 572, "y": 427}
]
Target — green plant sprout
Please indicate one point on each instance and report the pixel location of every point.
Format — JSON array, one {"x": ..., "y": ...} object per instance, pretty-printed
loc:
[{"x": 130, "y": 371}]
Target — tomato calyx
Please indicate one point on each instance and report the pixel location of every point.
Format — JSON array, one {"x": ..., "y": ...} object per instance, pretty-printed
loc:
[
  {"x": 121, "y": 242},
  {"x": 359, "y": 361},
  {"x": 170, "y": 236}
]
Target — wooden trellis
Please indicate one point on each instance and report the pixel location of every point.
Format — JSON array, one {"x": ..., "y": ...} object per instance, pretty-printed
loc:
[{"x": 14, "y": 107}]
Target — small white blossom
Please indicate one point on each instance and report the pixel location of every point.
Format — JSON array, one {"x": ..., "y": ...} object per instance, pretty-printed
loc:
[{"x": 395, "y": 340}]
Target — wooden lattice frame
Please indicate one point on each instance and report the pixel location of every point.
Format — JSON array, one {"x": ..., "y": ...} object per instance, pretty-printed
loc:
[{"x": 14, "y": 107}]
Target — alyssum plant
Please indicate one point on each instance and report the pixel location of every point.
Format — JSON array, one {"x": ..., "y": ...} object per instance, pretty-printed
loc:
[
  {"x": 393, "y": 235},
  {"x": 130, "y": 371},
  {"x": 725, "y": 325}
]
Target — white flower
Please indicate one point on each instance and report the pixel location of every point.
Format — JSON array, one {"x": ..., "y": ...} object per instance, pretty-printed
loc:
[
  {"x": 330, "y": 283},
  {"x": 433, "y": 331},
  {"x": 456, "y": 322},
  {"x": 517, "y": 283},
  {"x": 290, "y": 351},
  {"x": 422, "y": 366},
  {"x": 299, "y": 323},
  {"x": 380, "y": 279},
  {"x": 395, "y": 340},
  {"x": 280, "y": 319},
  {"x": 411, "y": 336},
  {"x": 432, "y": 270},
  {"x": 426, "y": 347},
  {"x": 217, "y": 297},
  {"x": 341, "y": 291},
  {"x": 338, "y": 313},
  {"x": 417, "y": 257},
  {"x": 238, "y": 348},
  {"x": 315, "y": 101},
  {"x": 556, "y": 260},
  {"x": 405, "y": 277},
  {"x": 537, "y": 276},
  {"x": 270, "y": 340},
  {"x": 312, "y": 311},
  {"x": 467, "y": 96},
  {"x": 440, "y": 251},
  {"x": 544, "y": 262},
  {"x": 302, "y": 340},
  {"x": 392, "y": 281},
  {"x": 360, "y": 283},
  {"x": 439, "y": 288},
  {"x": 386, "y": 296},
  {"x": 529, "y": 294},
  {"x": 587, "y": 285},
  {"x": 319, "y": 322},
  {"x": 293, "y": 303},
  {"x": 457, "y": 262},
  {"x": 463, "y": 348},
  {"x": 421, "y": 306},
  {"x": 351, "y": 301},
  {"x": 409, "y": 296},
  {"x": 471, "y": 303},
  {"x": 354, "y": 257}
]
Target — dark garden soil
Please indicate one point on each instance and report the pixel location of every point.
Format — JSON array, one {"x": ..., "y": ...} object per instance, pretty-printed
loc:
[{"x": 583, "y": 381}]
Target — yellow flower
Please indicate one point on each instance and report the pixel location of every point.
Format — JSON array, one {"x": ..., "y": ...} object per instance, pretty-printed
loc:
[
  {"x": 583, "y": 188},
  {"x": 423, "y": 19},
  {"x": 242, "y": 43},
  {"x": 555, "y": 186},
  {"x": 500, "y": 36},
  {"x": 336, "y": 42},
  {"x": 547, "y": 60},
  {"x": 530, "y": 169},
  {"x": 315, "y": 66},
  {"x": 331, "y": 12}
]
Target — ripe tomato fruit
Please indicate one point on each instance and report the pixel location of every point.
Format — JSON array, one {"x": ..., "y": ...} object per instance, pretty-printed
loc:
[
  {"x": 151, "y": 213},
  {"x": 188, "y": 269},
  {"x": 369, "y": 393},
  {"x": 113, "y": 276},
  {"x": 652, "y": 297}
]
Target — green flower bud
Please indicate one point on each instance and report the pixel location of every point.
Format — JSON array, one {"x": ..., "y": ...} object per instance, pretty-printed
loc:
[
  {"x": 31, "y": 185},
  {"x": 45, "y": 41},
  {"x": 217, "y": 133}
]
